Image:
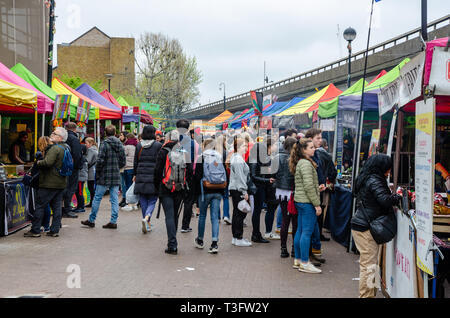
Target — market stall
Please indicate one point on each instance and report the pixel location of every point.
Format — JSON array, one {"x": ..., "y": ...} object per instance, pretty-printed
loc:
[{"x": 15, "y": 212}]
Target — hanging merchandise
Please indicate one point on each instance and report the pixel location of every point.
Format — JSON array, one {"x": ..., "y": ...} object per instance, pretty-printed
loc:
[
  {"x": 61, "y": 108},
  {"x": 83, "y": 111}
]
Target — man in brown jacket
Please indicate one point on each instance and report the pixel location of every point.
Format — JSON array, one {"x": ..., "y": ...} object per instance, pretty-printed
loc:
[{"x": 51, "y": 185}]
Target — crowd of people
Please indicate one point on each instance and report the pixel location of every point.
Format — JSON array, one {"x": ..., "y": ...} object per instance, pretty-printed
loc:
[{"x": 289, "y": 176}]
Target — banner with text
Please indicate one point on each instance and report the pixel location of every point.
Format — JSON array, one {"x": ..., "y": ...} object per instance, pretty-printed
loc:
[
  {"x": 440, "y": 71},
  {"x": 424, "y": 181},
  {"x": 401, "y": 280},
  {"x": 407, "y": 87}
]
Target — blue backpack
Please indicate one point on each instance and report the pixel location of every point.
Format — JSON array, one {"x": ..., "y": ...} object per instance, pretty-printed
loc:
[
  {"x": 67, "y": 164},
  {"x": 214, "y": 174}
]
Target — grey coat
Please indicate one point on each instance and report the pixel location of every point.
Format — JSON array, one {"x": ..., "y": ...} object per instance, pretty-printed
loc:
[
  {"x": 83, "y": 174},
  {"x": 91, "y": 157}
]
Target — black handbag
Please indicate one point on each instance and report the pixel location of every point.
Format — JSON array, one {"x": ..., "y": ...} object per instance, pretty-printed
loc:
[{"x": 383, "y": 228}]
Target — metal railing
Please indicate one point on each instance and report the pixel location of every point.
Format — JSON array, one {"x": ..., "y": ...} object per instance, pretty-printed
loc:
[{"x": 432, "y": 26}]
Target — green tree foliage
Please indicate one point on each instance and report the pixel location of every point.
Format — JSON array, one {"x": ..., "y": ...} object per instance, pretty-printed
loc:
[
  {"x": 75, "y": 81},
  {"x": 167, "y": 76}
]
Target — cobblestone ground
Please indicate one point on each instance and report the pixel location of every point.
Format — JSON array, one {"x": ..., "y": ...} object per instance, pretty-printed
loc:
[{"x": 127, "y": 263}]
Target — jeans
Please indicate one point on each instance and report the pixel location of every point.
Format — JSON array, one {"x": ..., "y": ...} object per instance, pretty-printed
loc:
[
  {"x": 46, "y": 218},
  {"x": 279, "y": 217},
  {"x": 44, "y": 198},
  {"x": 148, "y": 203},
  {"x": 212, "y": 199},
  {"x": 287, "y": 218},
  {"x": 265, "y": 193},
  {"x": 226, "y": 204},
  {"x": 171, "y": 205},
  {"x": 70, "y": 190},
  {"x": 187, "y": 213},
  {"x": 113, "y": 198},
  {"x": 127, "y": 180},
  {"x": 307, "y": 221},
  {"x": 237, "y": 222}
]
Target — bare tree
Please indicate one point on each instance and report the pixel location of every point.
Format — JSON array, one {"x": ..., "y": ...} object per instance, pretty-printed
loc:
[{"x": 166, "y": 75}]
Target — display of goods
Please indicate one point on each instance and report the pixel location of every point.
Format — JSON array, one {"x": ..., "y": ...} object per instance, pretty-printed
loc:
[
  {"x": 438, "y": 199},
  {"x": 441, "y": 209}
]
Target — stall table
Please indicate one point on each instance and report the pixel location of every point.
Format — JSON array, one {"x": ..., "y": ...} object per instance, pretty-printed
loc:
[{"x": 16, "y": 206}]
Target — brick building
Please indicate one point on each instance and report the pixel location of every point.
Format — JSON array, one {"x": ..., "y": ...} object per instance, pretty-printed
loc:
[{"x": 94, "y": 54}]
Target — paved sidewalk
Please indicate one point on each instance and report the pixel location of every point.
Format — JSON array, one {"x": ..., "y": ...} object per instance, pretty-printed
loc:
[{"x": 127, "y": 263}]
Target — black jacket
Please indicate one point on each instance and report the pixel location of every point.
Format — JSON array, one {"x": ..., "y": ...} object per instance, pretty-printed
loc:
[
  {"x": 144, "y": 167},
  {"x": 256, "y": 163},
  {"x": 374, "y": 199},
  {"x": 159, "y": 171},
  {"x": 326, "y": 162},
  {"x": 285, "y": 180},
  {"x": 75, "y": 149}
]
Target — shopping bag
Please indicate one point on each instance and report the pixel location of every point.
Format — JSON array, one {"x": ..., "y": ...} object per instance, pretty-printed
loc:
[{"x": 131, "y": 198}]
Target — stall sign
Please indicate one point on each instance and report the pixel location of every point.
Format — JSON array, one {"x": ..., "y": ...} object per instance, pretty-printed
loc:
[
  {"x": 16, "y": 205},
  {"x": 374, "y": 141},
  {"x": 61, "y": 108},
  {"x": 424, "y": 181},
  {"x": 440, "y": 71},
  {"x": 407, "y": 87},
  {"x": 328, "y": 124},
  {"x": 339, "y": 143},
  {"x": 350, "y": 119},
  {"x": 401, "y": 280},
  {"x": 391, "y": 134},
  {"x": 83, "y": 110}
]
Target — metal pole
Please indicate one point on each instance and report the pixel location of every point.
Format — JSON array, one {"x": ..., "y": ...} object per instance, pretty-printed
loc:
[
  {"x": 50, "y": 43},
  {"x": 356, "y": 154},
  {"x": 224, "y": 106},
  {"x": 424, "y": 21},
  {"x": 349, "y": 46},
  {"x": 43, "y": 125}
]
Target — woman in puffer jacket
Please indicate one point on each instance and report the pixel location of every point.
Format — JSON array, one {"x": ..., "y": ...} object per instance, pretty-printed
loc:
[{"x": 373, "y": 199}]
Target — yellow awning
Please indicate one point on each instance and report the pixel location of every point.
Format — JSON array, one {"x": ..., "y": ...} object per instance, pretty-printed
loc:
[
  {"x": 221, "y": 118},
  {"x": 13, "y": 95}
]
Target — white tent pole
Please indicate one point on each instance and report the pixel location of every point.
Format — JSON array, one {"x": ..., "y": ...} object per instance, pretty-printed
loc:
[{"x": 43, "y": 125}]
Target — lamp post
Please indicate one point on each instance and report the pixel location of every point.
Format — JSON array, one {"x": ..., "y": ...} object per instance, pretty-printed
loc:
[
  {"x": 349, "y": 36},
  {"x": 109, "y": 76},
  {"x": 220, "y": 88}
]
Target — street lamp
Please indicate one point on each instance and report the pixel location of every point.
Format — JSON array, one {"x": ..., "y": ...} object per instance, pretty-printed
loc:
[
  {"x": 220, "y": 88},
  {"x": 349, "y": 35},
  {"x": 109, "y": 77}
]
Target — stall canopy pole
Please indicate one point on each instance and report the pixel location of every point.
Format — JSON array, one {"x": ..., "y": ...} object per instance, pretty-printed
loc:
[
  {"x": 356, "y": 154},
  {"x": 335, "y": 138},
  {"x": 35, "y": 129},
  {"x": 95, "y": 129},
  {"x": 43, "y": 125},
  {"x": 98, "y": 132},
  {"x": 397, "y": 147}
]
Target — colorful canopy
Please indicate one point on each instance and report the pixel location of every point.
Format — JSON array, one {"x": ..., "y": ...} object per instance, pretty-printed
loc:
[
  {"x": 221, "y": 118},
  {"x": 63, "y": 88},
  {"x": 44, "y": 104},
  {"x": 146, "y": 118},
  {"x": 311, "y": 103},
  {"x": 16, "y": 99},
  {"x": 429, "y": 57},
  {"x": 32, "y": 79},
  {"x": 108, "y": 109},
  {"x": 382, "y": 73},
  {"x": 273, "y": 108},
  {"x": 329, "y": 109},
  {"x": 353, "y": 102}
]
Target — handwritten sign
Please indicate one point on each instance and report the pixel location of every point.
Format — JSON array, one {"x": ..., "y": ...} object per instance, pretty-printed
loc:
[
  {"x": 401, "y": 281},
  {"x": 424, "y": 181},
  {"x": 407, "y": 87}
]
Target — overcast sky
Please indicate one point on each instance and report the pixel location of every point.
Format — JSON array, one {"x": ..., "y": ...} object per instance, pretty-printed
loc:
[{"x": 231, "y": 39}]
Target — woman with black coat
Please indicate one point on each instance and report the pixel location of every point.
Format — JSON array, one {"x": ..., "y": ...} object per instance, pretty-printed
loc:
[
  {"x": 373, "y": 199},
  {"x": 144, "y": 170}
]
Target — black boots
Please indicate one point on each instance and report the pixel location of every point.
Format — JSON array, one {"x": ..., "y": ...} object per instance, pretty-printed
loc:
[{"x": 284, "y": 252}]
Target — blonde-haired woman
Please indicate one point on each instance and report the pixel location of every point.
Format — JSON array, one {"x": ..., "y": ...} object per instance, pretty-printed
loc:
[{"x": 307, "y": 202}]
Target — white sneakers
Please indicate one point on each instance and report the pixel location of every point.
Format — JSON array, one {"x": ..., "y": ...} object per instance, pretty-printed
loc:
[
  {"x": 309, "y": 268},
  {"x": 145, "y": 226},
  {"x": 271, "y": 236},
  {"x": 127, "y": 208},
  {"x": 227, "y": 220},
  {"x": 242, "y": 242}
]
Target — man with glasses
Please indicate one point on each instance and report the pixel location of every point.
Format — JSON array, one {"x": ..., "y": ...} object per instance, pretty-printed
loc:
[{"x": 51, "y": 184}]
